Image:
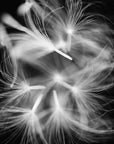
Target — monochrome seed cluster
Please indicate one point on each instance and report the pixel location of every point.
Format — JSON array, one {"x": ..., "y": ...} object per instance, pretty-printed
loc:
[{"x": 55, "y": 70}]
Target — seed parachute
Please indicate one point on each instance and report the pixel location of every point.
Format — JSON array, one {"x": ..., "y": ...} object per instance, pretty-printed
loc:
[{"x": 55, "y": 74}]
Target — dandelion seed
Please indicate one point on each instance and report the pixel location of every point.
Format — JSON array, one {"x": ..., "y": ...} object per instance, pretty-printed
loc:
[
  {"x": 59, "y": 116},
  {"x": 19, "y": 91},
  {"x": 38, "y": 41},
  {"x": 22, "y": 119},
  {"x": 33, "y": 124}
]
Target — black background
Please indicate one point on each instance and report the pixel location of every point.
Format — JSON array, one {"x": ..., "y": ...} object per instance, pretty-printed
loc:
[{"x": 104, "y": 7}]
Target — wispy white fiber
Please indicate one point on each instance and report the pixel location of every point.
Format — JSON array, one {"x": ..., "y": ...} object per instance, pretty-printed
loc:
[{"x": 56, "y": 73}]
